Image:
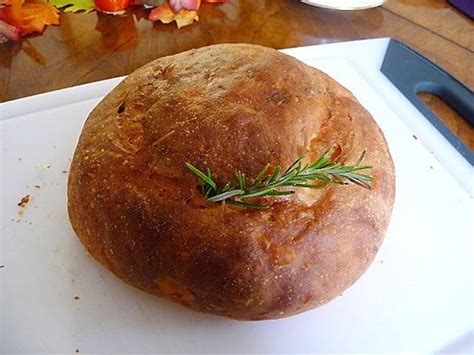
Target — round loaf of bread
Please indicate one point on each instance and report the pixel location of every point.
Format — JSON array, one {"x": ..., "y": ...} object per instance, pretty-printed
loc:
[{"x": 139, "y": 212}]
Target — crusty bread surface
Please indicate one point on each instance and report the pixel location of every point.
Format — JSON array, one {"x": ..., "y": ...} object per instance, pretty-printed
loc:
[{"x": 138, "y": 210}]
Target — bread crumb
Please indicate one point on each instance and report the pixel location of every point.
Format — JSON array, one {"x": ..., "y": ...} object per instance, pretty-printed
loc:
[
  {"x": 77, "y": 350},
  {"x": 2, "y": 266},
  {"x": 24, "y": 200},
  {"x": 21, "y": 212},
  {"x": 38, "y": 186},
  {"x": 77, "y": 298},
  {"x": 415, "y": 137},
  {"x": 64, "y": 171}
]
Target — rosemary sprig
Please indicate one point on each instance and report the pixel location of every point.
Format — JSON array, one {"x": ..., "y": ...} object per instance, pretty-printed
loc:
[{"x": 315, "y": 175}]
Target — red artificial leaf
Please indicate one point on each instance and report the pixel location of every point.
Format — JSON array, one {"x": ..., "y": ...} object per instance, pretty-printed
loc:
[
  {"x": 36, "y": 16},
  {"x": 165, "y": 14}
]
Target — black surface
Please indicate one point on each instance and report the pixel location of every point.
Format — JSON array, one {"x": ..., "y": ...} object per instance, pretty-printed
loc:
[{"x": 412, "y": 73}]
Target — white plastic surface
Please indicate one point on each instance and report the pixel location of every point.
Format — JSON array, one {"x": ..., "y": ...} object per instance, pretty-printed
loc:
[{"x": 417, "y": 296}]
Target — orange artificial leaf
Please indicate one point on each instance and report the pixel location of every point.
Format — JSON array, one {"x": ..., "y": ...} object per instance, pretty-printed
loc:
[
  {"x": 36, "y": 16},
  {"x": 165, "y": 14},
  {"x": 162, "y": 13},
  {"x": 184, "y": 18}
]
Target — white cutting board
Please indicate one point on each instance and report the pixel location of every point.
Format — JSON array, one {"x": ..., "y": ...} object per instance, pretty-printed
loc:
[{"x": 417, "y": 296}]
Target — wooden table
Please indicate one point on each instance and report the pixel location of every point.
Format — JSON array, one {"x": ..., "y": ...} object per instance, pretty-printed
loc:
[{"x": 90, "y": 47}]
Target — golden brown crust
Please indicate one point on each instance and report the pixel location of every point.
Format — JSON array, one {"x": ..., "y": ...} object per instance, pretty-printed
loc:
[{"x": 136, "y": 208}]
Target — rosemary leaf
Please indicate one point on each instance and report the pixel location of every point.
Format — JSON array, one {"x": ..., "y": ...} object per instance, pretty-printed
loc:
[
  {"x": 261, "y": 175},
  {"x": 262, "y": 192},
  {"x": 276, "y": 173},
  {"x": 315, "y": 175},
  {"x": 225, "y": 195},
  {"x": 208, "y": 180}
]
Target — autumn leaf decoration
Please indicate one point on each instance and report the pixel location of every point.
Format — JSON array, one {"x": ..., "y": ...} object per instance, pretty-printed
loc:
[
  {"x": 22, "y": 17},
  {"x": 18, "y": 18},
  {"x": 184, "y": 12},
  {"x": 36, "y": 15}
]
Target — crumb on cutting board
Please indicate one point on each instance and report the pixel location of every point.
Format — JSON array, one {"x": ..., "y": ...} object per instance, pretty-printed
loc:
[
  {"x": 77, "y": 298},
  {"x": 24, "y": 201},
  {"x": 38, "y": 186},
  {"x": 415, "y": 137},
  {"x": 77, "y": 350},
  {"x": 64, "y": 171},
  {"x": 2, "y": 266}
]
